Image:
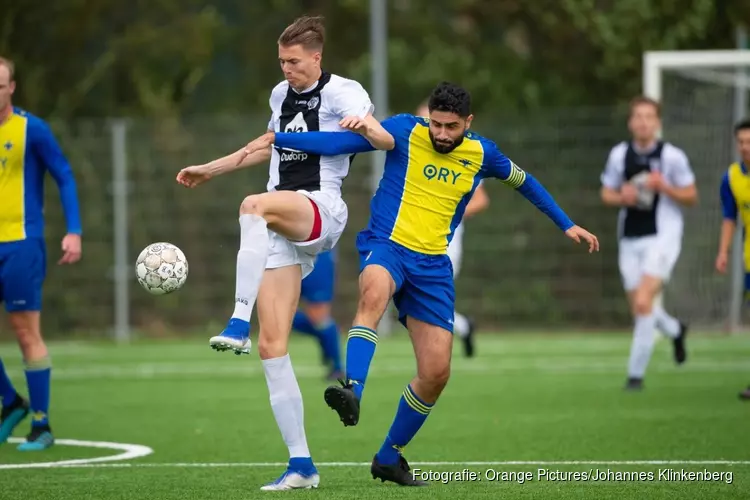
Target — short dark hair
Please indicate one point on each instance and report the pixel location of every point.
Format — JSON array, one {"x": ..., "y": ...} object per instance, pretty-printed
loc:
[
  {"x": 450, "y": 98},
  {"x": 308, "y": 31},
  {"x": 742, "y": 125},
  {"x": 642, "y": 99}
]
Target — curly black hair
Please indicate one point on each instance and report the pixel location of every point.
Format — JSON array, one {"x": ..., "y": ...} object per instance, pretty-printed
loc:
[
  {"x": 450, "y": 98},
  {"x": 743, "y": 125}
]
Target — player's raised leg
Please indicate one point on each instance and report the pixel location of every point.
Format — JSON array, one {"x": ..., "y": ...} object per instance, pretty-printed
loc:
[
  {"x": 289, "y": 214},
  {"x": 277, "y": 302},
  {"x": 432, "y": 347},
  {"x": 376, "y": 287}
]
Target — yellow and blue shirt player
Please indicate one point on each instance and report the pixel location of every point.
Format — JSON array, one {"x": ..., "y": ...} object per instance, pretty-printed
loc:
[
  {"x": 419, "y": 203},
  {"x": 28, "y": 151},
  {"x": 735, "y": 202}
]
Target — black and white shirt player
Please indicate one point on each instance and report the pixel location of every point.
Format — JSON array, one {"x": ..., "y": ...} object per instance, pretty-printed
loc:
[
  {"x": 650, "y": 234},
  {"x": 319, "y": 108}
]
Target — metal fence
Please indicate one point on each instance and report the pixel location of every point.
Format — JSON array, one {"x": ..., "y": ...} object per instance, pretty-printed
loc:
[{"x": 518, "y": 272}]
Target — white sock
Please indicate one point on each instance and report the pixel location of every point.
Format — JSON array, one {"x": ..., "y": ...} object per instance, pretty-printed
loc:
[
  {"x": 460, "y": 324},
  {"x": 642, "y": 346},
  {"x": 667, "y": 325},
  {"x": 286, "y": 403},
  {"x": 251, "y": 264}
]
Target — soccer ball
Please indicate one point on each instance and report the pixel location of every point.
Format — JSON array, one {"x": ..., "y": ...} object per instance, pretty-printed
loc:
[{"x": 161, "y": 268}]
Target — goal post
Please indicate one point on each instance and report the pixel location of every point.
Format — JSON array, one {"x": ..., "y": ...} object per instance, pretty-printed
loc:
[{"x": 703, "y": 93}]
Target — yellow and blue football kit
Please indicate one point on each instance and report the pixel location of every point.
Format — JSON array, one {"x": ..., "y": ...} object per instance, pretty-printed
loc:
[
  {"x": 735, "y": 202},
  {"x": 419, "y": 203},
  {"x": 27, "y": 151}
]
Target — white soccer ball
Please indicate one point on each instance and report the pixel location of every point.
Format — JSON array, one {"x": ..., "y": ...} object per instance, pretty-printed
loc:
[{"x": 161, "y": 268}]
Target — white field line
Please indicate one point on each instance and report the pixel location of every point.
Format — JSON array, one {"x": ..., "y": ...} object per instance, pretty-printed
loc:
[
  {"x": 133, "y": 451},
  {"x": 129, "y": 452},
  {"x": 582, "y": 366},
  {"x": 530, "y": 463}
]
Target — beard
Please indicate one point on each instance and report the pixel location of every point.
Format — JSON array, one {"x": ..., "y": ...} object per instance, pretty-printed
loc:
[{"x": 445, "y": 147}]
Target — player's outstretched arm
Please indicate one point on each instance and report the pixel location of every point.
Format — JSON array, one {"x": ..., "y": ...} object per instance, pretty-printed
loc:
[
  {"x": 324, "y": 143},
  {"x": 371, "y": 129},
  {"x": 728, "y": 224},
  {"x": 370, "y": 136},
  {"x": 46, "y": 147},
  {"x": 512, "y": 175},
  {"x": 198, "y": 174}
]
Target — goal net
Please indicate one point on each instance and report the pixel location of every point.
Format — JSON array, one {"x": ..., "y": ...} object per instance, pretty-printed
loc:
[{"x": 703, "y": 94}]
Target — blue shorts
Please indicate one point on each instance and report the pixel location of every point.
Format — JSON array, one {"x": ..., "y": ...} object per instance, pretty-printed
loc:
[
  {"x": 318, "y": 286},
  {"x": 424, "y": 283},
  {"x": 23, "y": 266}
]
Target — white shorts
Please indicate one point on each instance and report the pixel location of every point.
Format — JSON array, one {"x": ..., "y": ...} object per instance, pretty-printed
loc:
[
  {"x": 333, "y": 215},
  {"x": 456, "y": 249},
  {"x": 648, "y": 255}
]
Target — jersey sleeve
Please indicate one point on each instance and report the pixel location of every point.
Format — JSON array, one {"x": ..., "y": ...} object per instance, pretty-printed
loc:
[
  {"x": 331, "y": 143},
  {"x": 612, "y": 176},
  {"x": 728, "y": 203},
  {"x": 51, "y": 156},
  {"x": 501, "y": 167},
  {"x": 351, "y": 99},
  {"x": 680, "y": 172}
]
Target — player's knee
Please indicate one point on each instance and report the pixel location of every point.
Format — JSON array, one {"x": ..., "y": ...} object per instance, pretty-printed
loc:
[
  {"x": 319, "y": 314},
  {"x": 435, "y": 376},
  {"x": 373, "y": 299},
  {"x": 28, "y": 335},
  {"x": 643, "y": 304},
  {"x": 271, "y": 344},
  {"x": 252, "y": 205}
]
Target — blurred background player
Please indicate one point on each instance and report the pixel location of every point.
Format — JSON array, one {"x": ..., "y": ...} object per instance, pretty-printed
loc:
[
  {"x": 27, "y": 151},
  {"x": 735, "y": 197},
  {"x": 649, "y": 180},
  {"x": 462, "y": 326},
  {"x": 314, "y": 315}
]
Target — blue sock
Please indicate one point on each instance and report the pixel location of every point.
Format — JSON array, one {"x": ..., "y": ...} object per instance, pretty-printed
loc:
[
  {"x": 411, "y": 414},
  {"x": 7, "y": 391},
  {"x": 38, "y": 378},
  {"x": 331, "y": 343},
  {"x": 360, "y": 348},
  {"x": 302, "y": 324}
]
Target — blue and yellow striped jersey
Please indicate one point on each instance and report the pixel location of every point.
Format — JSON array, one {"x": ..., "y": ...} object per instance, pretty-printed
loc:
[
  {"x": 423, "y": 194},
  {"x": 735, "y": 201},
  {"x": 27, "y": 150}
]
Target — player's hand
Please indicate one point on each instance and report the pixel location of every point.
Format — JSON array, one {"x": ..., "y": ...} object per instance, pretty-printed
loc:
[
  {"x": 194, "y": 176},
  {"x": 721, "y": 262},
  {"x": 71, "y": 247},
  {"x": 629, "y": 195},
  {"x": 263, "y": 142},
  {"x": 655, "y": 181},
  {"x": 577, "y": 233},
  {"x": 355, "y": 124}
]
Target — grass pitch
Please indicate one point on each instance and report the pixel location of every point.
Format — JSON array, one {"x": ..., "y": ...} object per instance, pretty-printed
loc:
[{"x": 530, "y": 417}]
